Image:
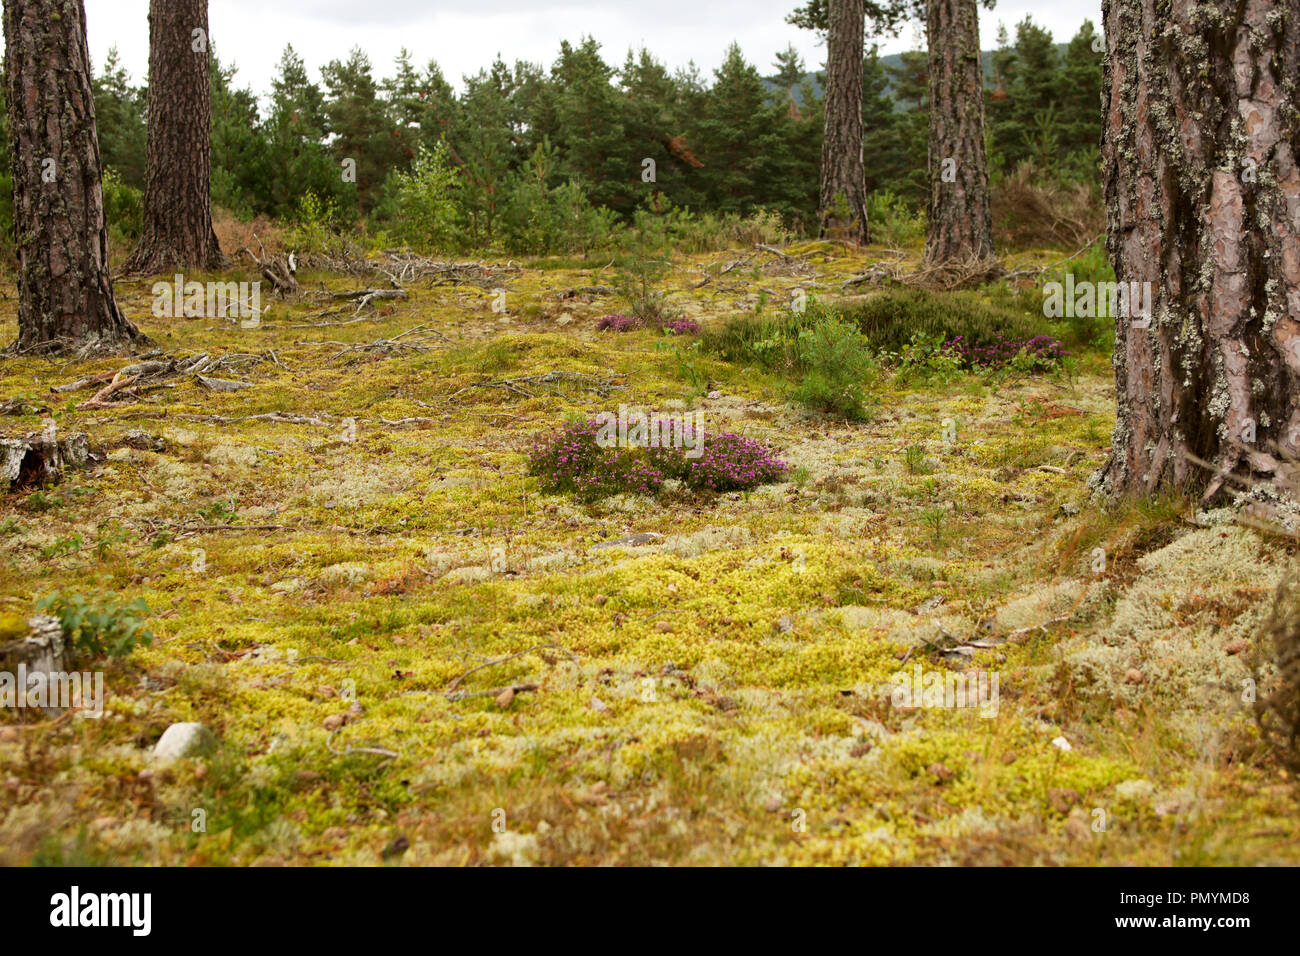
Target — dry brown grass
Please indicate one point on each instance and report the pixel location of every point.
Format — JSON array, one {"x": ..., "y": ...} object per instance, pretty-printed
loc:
[
  {"x": 234, "y": 234},
  {"x": 1031, "y": 210}
]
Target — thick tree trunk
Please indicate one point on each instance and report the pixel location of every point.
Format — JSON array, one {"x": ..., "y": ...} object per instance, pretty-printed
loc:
[
  {"x": 961, "y": 220},
  {"x": 177, "y": 203},
  {"x": 844, "y": 182},
  {"x": 65, "y": 293},
  {"x": 1203, "y": 202}
]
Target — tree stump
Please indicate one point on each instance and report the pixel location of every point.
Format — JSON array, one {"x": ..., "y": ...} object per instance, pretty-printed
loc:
[
  {"x": 37, "y": 458},
  {"x": 43, "y": 651}
]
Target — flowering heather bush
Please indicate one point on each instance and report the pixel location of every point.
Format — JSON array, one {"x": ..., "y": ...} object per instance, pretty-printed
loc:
[
  {"x": 618, "y": 322},
  {"x": 681, "y": 327},
  {"x": 571, "y": 461},
  {"x": 1039, "y": 352},
  {"x": 621, "y": 322},
  {"x": 730, "y": 463}
]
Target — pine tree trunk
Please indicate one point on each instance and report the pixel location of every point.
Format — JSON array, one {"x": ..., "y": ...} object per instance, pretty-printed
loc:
[
  {"x": 1203, "y": 202},
  {"x": 177, "y": 204},
  {"x": 65, "y": 292},
  {"x": 961, "y": 219},
  {"x": 844, "y": 184}
]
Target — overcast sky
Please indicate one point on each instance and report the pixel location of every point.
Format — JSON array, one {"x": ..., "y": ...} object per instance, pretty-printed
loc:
[{"x": 465, "y": 35}]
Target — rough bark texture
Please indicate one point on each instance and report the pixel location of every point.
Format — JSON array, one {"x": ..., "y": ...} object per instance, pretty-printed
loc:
[
  {"x": 65, "y": 293},
  {"x": 177, "y": 230},
  {"x": 844, "y": 184},
  {"x": 961, "y": 219},
  {"x": 1203, "y": 202}
]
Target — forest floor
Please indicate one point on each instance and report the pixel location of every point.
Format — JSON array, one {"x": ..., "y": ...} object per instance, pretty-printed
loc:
[{"x": 718, "y": 691}]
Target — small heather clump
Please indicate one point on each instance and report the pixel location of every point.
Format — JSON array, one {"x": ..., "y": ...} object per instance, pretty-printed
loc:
[
  {"x": 571, "y": 461},
  {"x": 622, "y": 322},
  {"x": 618, "y": 322},
  {"x": 1041, "y": 351},
  {"x": 681, "y": 327}
]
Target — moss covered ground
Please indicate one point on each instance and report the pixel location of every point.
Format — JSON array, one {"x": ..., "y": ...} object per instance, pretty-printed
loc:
[{"x": 342, "y": 592}]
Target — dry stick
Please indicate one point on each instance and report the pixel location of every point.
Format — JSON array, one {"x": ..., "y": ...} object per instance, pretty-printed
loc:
[
  {"x": 494, "y": 692},
  {"x": 456, "y": 683},
  {"x": 378, "y": 751}
]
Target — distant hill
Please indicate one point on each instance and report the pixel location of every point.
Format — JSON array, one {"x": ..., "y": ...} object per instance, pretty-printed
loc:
[{"x": 893, "y": 60}]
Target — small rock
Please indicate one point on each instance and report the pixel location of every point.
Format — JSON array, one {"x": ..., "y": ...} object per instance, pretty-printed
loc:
[
  {"x": 599, "y": 706},
  {"x": 1135, "y": 789},
  {"x": 1134, "y": 676},
  {"x": 8, "y": 735},
  {"x": 1009, "y": 757},
  {"x": 183, "y": 740},
  {"x": 506, "y": 698},
  {"x": 774, "y": 803},
  {"x": 940, "y": 773},
  {"x": 630, "y": 541},
  {"x": 1236, "y": 647},
  {"x": 1062, "y": 799},
  {"x": 1077, "y": 826},
  {"x": 663, "y": 627},
  {"x": 333, "y": 722},
  {"x": 395, "y": 849}
]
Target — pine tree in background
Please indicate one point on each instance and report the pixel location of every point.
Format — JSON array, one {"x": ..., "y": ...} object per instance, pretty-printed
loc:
[
  {"x": 1080, "y": 101},
  {"x": 843, "y": 196},
  {"x": 591, "y": 137},
  {"x": 738, "y": 137},
  {"x": 486, "y": 144},
  {"x": 1027, "y": 124},
  {"x": 366, "y": 143},
  {"x": 177, "y": 231},
  {"x": 298, "y": 162},
  {"x": 242, "y": 168},
  {"x": 960, "y": 215},
  {"x": 120, "y": 112}
]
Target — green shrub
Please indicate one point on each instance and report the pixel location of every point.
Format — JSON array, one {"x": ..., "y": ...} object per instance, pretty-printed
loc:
[
  {"x": 827, "y": 358},
  {"x": 99, "y": 625},
  {"x": 427, "y": 215},
  {"x": 836, "y": 365},
  {"x": 893, "y": 221},
  {"x": 123, "y": 208},
  {"x": 539, "y": 218},
  {"x": 317, "y": 230},
  {"x": 891, "y": 319}
]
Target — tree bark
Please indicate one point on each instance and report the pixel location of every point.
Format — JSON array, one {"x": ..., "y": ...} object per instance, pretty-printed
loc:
[
  {"x": 178, "y": 230},
  {"x": 961, "y": 218},
  {"x": 844, "y": 184},
  {"x": 1203, "y": 203},
  {"x": 65, "y": 292}
]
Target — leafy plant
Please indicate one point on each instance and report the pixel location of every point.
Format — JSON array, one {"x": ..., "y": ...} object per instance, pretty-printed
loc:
[{"x": 99, "y": 625}]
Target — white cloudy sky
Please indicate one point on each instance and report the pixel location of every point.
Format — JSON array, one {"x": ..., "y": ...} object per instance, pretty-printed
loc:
[{"x": 465, "y": 35}]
